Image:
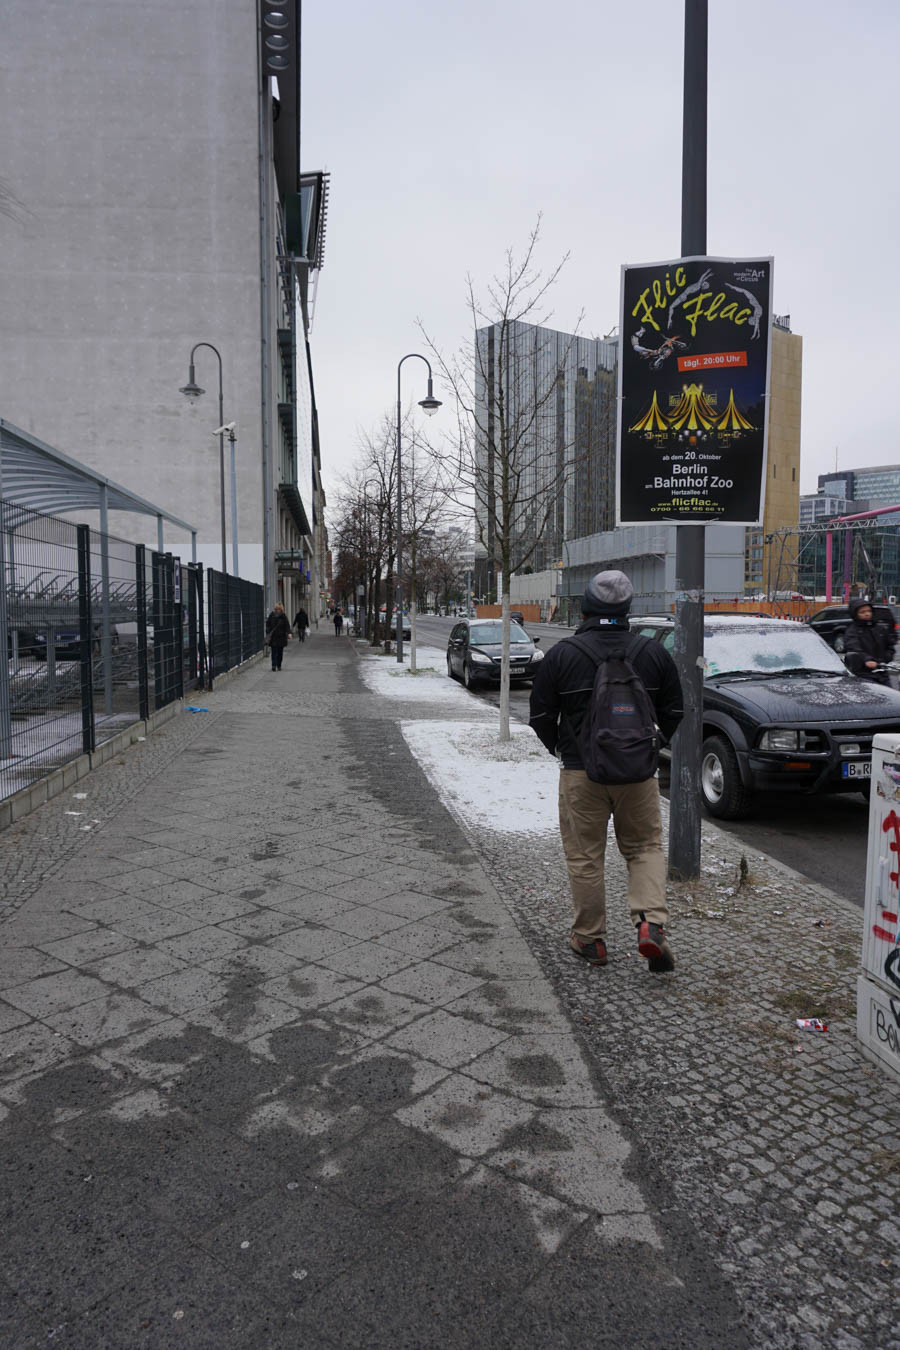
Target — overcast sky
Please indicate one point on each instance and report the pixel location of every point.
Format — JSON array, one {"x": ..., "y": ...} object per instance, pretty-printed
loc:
[{"x": 447, "y": 128}]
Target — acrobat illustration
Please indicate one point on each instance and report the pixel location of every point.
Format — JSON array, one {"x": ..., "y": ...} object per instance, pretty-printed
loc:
[
  {"x": 754, "y": 305},
  {"x": 656, "y": 355},
  {"x": 701, "y": 285}
]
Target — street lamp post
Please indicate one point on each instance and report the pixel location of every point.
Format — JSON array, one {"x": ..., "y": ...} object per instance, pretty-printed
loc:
[
  {"x": 232, "y": 438},
  {"x": 430, "y": 405},
  {"x": 192, "y": 390}
]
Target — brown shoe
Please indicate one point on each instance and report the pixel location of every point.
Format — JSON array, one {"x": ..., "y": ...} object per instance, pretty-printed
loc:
[{"x": 593, "y": 951}]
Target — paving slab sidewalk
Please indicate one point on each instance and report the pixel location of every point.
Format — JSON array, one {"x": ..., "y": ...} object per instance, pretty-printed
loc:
[
  {"x": 278, "y": 1068},
  {"x": 282, "y": 1066}
]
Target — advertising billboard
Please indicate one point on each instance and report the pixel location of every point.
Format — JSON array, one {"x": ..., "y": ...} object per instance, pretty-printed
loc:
[{"x": 695, "y": 353}]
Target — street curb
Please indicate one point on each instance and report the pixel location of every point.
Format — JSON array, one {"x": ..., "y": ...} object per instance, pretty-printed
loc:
[{"x": 730, "y": 843}]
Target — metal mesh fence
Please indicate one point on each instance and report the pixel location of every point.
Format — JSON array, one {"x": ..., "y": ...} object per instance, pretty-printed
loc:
[
  {"x": 41, "y": 691},
  {"x": 235, "y": 621},
  {"x": 112, "y": 582},
  {"x": 100, "y": 633}
]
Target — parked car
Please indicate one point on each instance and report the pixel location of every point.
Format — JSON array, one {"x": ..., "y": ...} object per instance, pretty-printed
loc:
[
  {"x": 26, "y": 641},
  {"x": 67, "y": 643},
  {"x": 475, "y": 648},
  {"x": 831, "y": 623},
  {"x": 781, "y": 713}
]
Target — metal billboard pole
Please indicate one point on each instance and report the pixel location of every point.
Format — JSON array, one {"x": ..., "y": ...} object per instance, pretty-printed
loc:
[{"x": 690, "y": 540}]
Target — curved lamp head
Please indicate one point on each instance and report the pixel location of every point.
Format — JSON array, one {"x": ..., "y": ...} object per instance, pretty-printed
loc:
[
  {"x": 192, "y": 388},
  {"x": 429, "y": 404}
]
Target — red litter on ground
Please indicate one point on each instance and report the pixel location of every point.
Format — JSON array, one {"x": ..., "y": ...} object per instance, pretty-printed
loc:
[{"x": 811, "y": 1024}]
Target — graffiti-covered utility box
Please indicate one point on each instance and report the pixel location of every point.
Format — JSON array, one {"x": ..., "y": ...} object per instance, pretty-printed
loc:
[{"x": 878, "y": 989}]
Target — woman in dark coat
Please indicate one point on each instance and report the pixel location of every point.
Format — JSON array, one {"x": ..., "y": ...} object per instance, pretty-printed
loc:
[
  {"x": 301, "y": 623},
  {"x": 278, "y": 633},
  {"x": 867, "y": 643}
]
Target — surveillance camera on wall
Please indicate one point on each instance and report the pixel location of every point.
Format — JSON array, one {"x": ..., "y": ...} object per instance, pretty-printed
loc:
[{"x": 229, "y": 426}]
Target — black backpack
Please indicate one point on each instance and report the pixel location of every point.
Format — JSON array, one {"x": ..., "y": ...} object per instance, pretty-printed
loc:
[{"x": 619, "y": 740}]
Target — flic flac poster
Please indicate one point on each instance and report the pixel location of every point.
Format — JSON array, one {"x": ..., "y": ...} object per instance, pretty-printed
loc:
[{"x": 695, "y": 352}]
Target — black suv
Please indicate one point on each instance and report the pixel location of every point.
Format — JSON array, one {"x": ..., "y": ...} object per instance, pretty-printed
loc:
[
  {"x": 831, "y": 623},
  {"x": 780, "y": 712}
]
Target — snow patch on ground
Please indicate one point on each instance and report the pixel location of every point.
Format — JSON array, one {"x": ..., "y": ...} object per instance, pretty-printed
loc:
[
  {"x": 509, "y": 787},
  {"x": 384, "y": 676}
]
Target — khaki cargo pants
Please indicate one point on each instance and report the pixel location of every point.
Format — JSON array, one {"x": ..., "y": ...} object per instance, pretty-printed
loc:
[{"x": 584, "y": 812}]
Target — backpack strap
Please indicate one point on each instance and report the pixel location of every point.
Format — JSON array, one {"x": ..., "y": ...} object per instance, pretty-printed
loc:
[{"x": 633, "y": 643}]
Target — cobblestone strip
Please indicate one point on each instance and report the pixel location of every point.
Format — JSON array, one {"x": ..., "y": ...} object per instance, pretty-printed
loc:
[{"x": 782, "y": 1144}]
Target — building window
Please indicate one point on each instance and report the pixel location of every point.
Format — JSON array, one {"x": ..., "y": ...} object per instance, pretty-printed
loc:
[
  {"x": 774, "y": 470},
  {"x": 793, "y": 474}
]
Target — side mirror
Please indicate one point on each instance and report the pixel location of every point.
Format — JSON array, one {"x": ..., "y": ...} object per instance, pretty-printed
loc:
[{"x": 536, "y": 641}]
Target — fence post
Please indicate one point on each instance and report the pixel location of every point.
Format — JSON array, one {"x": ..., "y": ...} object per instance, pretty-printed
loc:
[
  {"x": 188, "y": 579},
  {"x": 5, "y": 705},
  {"x": 178, "y": 626},
  {"x": 159, "y": 641},
  {"x": 140, "y": 571},
  {"x": 201, "y": 628},
  {"x": 106, "y": 644},
  {"x": 87, "y": 637},
  {"x": 212, "y": 628}
]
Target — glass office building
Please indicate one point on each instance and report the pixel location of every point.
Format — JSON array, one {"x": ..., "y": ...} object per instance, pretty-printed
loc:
[
  {"x": 878, "y": 486},
  {"x": 545, "y": 405}
]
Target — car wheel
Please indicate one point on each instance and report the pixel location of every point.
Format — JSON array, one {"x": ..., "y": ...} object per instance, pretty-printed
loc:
[
  {"x": 720, "y": 781},
  {"x": 839, "y": 644},
  {"x": 449, "y": 669},
  {"x": 468, "y": 677}
]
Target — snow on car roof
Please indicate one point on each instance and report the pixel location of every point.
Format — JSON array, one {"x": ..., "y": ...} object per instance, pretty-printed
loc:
[{"x": 749, "y": 621}]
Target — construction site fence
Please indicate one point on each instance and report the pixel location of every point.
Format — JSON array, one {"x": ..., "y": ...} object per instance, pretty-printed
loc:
[
  {"x": 101, "y": 633},
  {"x": 565, "y": 609}
]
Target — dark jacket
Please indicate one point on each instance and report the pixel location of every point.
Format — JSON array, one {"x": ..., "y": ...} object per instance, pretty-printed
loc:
[
  {"x": 278, "y": 630},
  {"x": 867, "y": 641},
  {"x": 301, "y": 619},
  {"x": 561, "y": 692}
]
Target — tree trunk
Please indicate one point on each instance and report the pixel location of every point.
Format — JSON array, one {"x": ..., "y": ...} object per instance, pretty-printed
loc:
[
  {"x": 504, "y": 663},
  {"x": 376, "y": 636}
]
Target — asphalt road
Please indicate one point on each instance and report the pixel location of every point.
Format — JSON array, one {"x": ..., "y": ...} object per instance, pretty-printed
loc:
[{"x": 822, "y": 837}]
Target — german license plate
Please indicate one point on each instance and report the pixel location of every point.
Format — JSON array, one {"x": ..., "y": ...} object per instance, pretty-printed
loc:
[{"x": 857, "y": 770}]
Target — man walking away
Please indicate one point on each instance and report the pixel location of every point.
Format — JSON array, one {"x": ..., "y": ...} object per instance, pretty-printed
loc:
[
  {"x": 868, "y": 643},
  {"x": 301, "y": 623},
  {"x": 338, "y": 622},
  {"x": 565, "y": 707},
  {"x": 278, "y": 635}
]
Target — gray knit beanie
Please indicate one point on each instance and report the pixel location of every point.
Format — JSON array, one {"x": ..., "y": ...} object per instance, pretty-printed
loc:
[{"x": 607, "y": 593}]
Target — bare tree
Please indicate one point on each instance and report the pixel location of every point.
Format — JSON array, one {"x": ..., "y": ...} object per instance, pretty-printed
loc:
[
  {"x": 511, "y": 458},
  {"x": 442, "y": 567}
]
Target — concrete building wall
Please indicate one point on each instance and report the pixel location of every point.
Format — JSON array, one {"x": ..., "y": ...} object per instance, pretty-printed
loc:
[{"x": 130, "y": 138}]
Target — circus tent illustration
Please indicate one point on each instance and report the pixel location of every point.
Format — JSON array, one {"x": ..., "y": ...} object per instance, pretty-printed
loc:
[
  {"x": 693, "y": 411},
  {"x": 732, "y": 419},
  {"x": 652, "y": 420}
]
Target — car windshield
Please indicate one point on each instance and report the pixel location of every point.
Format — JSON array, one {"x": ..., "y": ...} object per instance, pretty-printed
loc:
[
  {"x": 767, "y": 649},
  {"x": 492, "y": 631}
]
